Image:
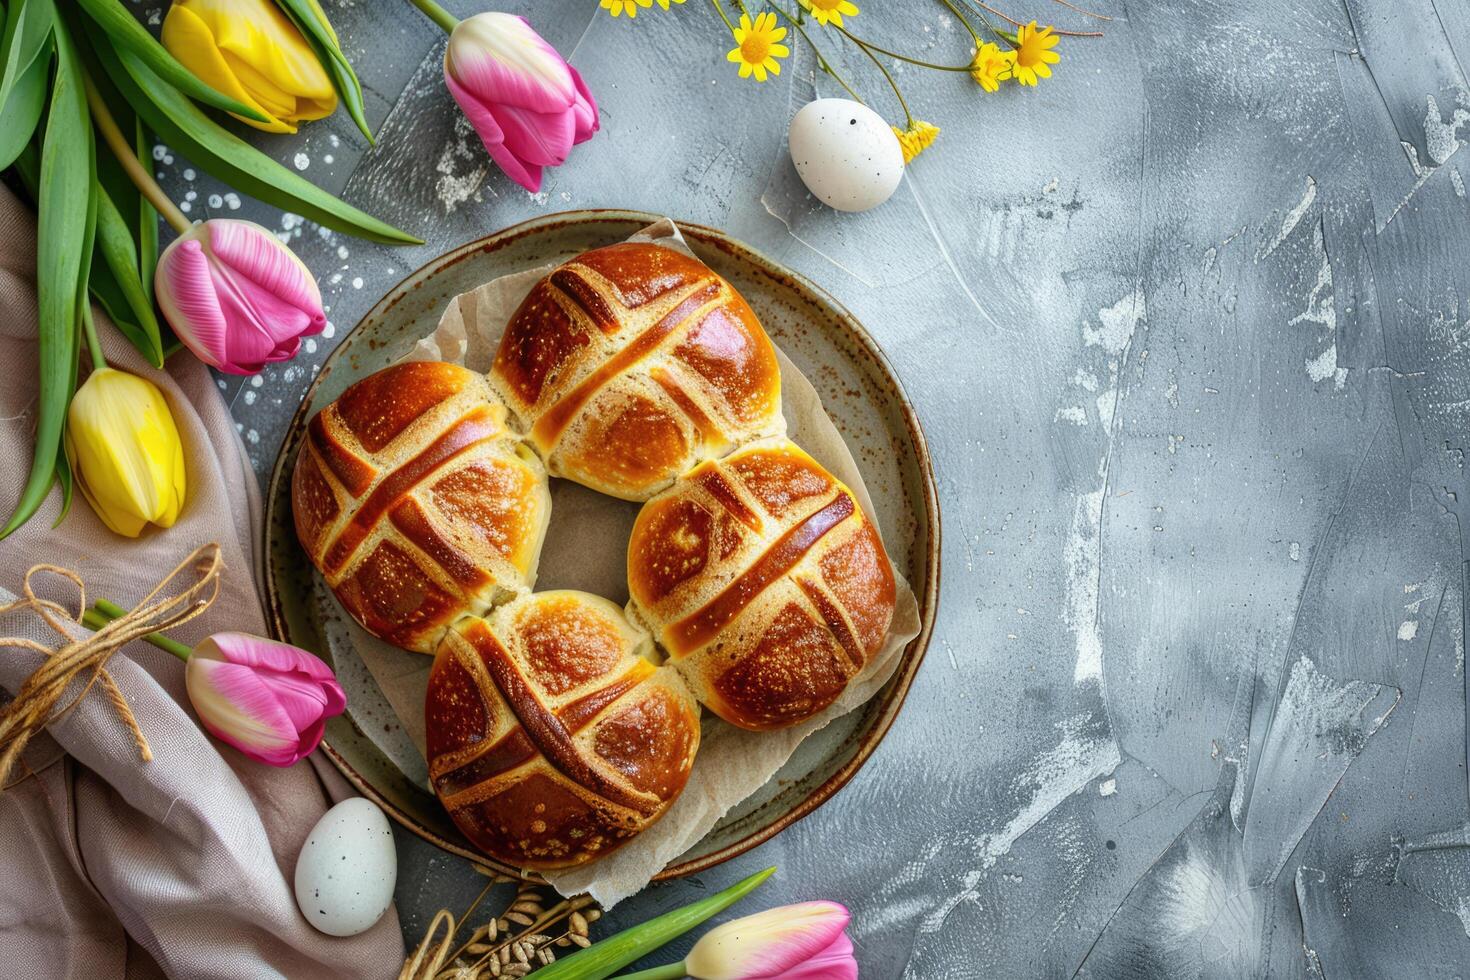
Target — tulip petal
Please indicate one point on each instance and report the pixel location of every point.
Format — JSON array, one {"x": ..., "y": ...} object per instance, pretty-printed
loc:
[
  {"x": 501, "y": 59},
  {"x": 770, "y": 943},
  {"x": 836, "y": 962},
  {"x": 584, "y": 109},
  {"x": 251, "y": 47},
  {"x": 236, "y": 296},
  {"x": 527, "y": 175},
  {"x": 238, "y": 708},
  {"x": 185, "y": 291},
  {"x": 125, "y": 452},
  {"x": 537, "y": 138},
  {"x": 268, "y": 699}
]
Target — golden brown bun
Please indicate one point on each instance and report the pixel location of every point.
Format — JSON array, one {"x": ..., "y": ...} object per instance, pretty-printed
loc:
[
  {"x": 416, "y": 503},
  {"x": 632, "y": 363},
  {"x": 764, "y": 582},
  {"x": 551, "y": 740}
]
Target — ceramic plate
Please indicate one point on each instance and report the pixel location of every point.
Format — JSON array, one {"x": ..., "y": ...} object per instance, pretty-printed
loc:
[{"x": 827, "y": 343}]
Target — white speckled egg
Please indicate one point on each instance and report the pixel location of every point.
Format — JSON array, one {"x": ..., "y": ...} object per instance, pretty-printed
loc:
[
  {"x": 347, "y": 869},
  {"x": 845, "y": 153}
]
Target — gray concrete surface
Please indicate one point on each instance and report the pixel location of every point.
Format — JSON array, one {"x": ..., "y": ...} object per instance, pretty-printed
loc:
[{"x": 1186, "y": 327}]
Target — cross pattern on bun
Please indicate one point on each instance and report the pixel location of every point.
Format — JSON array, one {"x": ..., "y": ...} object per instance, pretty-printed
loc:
[
  {"x": 765, "y": 583},
  {"x": 551, "y": 739},
  {"x": 632, "y": 363},
  {"x": 417, "y": 503}
]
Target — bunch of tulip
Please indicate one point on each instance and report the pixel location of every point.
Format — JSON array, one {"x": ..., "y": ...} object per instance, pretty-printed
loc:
[
  {"x": 270, "y": 700},
  {"x": 228, "y": 290},
  {"x": 1023, "y": 53}
]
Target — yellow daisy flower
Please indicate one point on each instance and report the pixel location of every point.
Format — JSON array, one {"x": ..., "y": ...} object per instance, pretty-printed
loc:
[
  {"x": 630, "y": 7},
  {"x": 665, "y": 3},
  {"x": 830, "y": 11},
  {"x": 1034, "y": 54},
  {"x": 992, "y": 66},
  {"x": 915, "y": 139},
  {"x": 756, "y": 48}
]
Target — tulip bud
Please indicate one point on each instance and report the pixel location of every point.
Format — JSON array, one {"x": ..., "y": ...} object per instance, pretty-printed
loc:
[
  {"x": 528, "y": 105},
  {"x": 269, "y": 700},
  {"x": 250, "y": 51},
  {"x": 124, "y": 451},
  {"x": 792, "y": 942},
  {"x": 236, "y": 296}
]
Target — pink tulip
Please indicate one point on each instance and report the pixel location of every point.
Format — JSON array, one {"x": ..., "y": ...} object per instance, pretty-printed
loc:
[
  {"x": 269, "y": 700},
  {"x": 792, "y": 942},
  {"x": 528, "y": 105},
  {"x": 236, "y": 296}
]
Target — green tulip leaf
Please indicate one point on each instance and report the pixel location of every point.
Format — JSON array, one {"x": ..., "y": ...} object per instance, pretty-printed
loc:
[
  {"x": 134, "y": 318},
  {"x": 27, "y": 35},
  {"x": 20, "y": 112},
  {"x": 309, "y": 19},
  {"x": 123, "y": 30},
  {"x": 180, "y": 124},
  {"x": 64, "y": 198},
  {"x": 147, "y": 221},
  {"x": 604, "y": 958}
]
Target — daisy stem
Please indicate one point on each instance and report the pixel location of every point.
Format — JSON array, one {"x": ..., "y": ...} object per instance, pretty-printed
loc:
[
  {"x": 870, "y": 47},
  {"x": 822, "y": 62},
  {"x": 1080, "y": 10},
  {"x": 1017, "y": 23},
  {"x": 721, "y": 11},
  {"x": 447, "y": 22},
  {"x": 862, "y": 46},
  {"x": 958, "y": 13}
]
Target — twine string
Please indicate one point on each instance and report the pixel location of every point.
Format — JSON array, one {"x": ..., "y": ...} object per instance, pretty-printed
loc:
[{"x": 183, "y": 594}]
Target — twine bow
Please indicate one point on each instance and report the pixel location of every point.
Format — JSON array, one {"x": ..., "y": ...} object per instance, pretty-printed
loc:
[{"x": 183, "y": 594}]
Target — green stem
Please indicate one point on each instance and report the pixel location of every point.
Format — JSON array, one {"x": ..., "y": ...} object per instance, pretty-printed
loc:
[
  {"x": 869, "y": 46},
  {"x": 127, "y": 157},
  {"x": 447, "y": 22},
  {"x": 89, "y": 331},
  {"x": 822, "y": 62},
  {"x": 104, "y": 612},
  {"x": 670, "y": 971},
  {"x": 721, "y": 11},
  {"x": 863, "y": 47}
]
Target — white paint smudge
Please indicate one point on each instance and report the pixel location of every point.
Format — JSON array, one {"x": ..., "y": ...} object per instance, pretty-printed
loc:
[
  {"x": 1322, "y": 310},
  {"x": 1082, "y": 556},
  {"x": 1117, "y": 323},
  {"x": 1408, "y": 629},
  {"x": 1082, "y": 755},
  {"x": 302, "y": 161},
  {"x": 1072, "y": 413},
  {"x": 1442, "y": 138},
  {"x": 1292, "y": 219},
  {"x": 1295, "y": 551},
  {"x": 1107, "y": 787}
]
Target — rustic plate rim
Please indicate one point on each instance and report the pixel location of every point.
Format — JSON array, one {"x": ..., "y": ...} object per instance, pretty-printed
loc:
[{"x": 913, "y": 655}]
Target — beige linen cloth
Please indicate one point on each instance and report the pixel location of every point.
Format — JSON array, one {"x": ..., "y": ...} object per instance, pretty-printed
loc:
[{"x": 110, "y": 867}]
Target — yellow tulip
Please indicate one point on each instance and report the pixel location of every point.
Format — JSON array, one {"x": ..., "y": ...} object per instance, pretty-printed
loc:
[
  {"x": 250, "y": 50},
  {"x": 124, "y": 451}
]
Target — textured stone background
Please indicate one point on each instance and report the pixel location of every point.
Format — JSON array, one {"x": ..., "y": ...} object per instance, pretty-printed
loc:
[{"x": 1184, "y": 328}]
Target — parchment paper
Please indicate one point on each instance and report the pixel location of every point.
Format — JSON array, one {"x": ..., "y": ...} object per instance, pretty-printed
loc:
[{"x": 586, "y": 548}]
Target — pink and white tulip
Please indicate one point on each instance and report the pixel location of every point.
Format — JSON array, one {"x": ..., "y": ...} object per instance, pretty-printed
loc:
[
  {"x": 529, "y": 106},
  {"x": 793, "y": 942},
  {"x": 269, "y": 700},
  {"x": 236, "y": 296}
]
